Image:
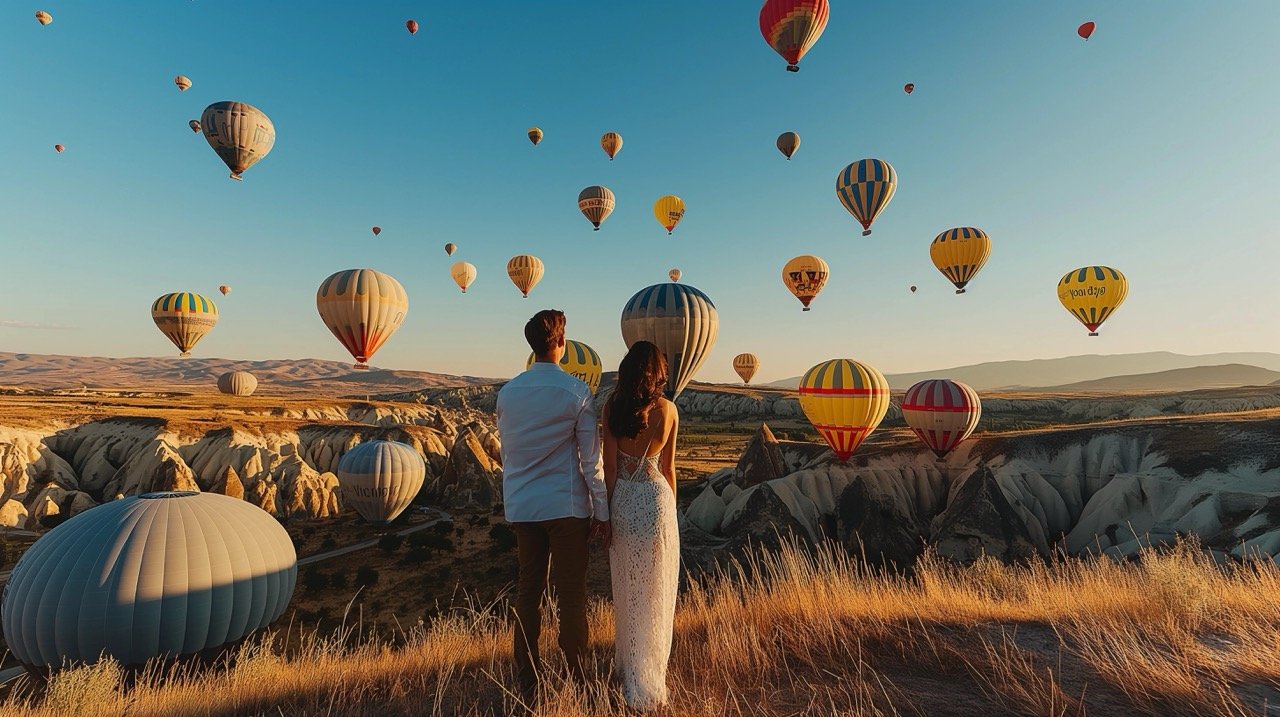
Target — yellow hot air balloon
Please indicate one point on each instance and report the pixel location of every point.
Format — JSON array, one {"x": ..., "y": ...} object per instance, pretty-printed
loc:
[
  {"x": 525, "y": 271},
  {"x": 669, "y": 209},
  {"x": 183, "y": 82},
  {"x": 580, "y": 361},
  {"x": 184, "y": 317},
  {"x": 596, "y": 204},
  {"x": 43, "y": 17},
  {"x": 240, "y": 133},
  {"x": 745, "y": 365},
  {"x": 959, "y": 253},
  {"x": 865, "y": 188},
  {"x": 1092, "y": 294},
  {"x": 363, "y": 308},
  {"x": 788, "y": 143},
  {"x": 674, "y": 274},
  {"x": 225, "y": 289},
  {"x": 450, "y": 248},
  {"x": 611, "y": 143},
  {"x": 805, "y": 276},
  {"x": 535, "y": 135},
  {"x": 845, "y": 400},
  {"x": 463, "y": 273}
]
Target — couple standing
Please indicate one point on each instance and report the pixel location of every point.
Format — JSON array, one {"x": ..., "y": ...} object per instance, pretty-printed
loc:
[{"x": 559, "y": 493}]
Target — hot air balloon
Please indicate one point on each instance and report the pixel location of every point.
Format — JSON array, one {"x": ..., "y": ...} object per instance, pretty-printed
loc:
[
  {"x": 377, "y": 231},
  {"x": 1086, "y": 29},
  {"x": 362, "y": 308},
  {"x": 845, "y": 400},
  {"x": 184, "y": 317},
  {"x": 450, "y": 248},
  {"x": 674, "y": 274},
  {"x": 58, "y": 148},
  {"x": 805, "y": 276},
  {"x": 942, "y": 413},
  {"x": 43, "y": 17},
  {"x": 792, "y": 26},
  {"x": 788, "y": 143},
  {"x": 183, "y": 82},
  {"x": 580, "y": 361},
  {"x": 463, "y": 273},
  {"x": 680, "y": 320},
  {"x": 909, "y": 87},
  {"x": 960, "y": 253},
  {"x": 225, "y": 289},
  {"x": 611, "y": 143},
  {"x": 240, "y": 133},
  {"x": 669, "y": 209},
  {"x": 380, "y": 478},
  {"x": 913, "y": 288},
  {"x": 237, "y": 383},
  {"x": 412, "y": 26},
  {"x": 745, "y": 366},
  {"x": 596, "y": 204},
  {"x": 865, "y": 188},
  {"x": 1092, "y": 294},
  {"x": 525, "y": 271},
  {"x": 171, "y": 573},
  {"x": 194, "y": 125},
  {"x": 535, "y": 135}
]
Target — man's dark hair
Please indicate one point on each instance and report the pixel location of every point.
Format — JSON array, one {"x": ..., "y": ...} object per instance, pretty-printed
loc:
[{"x": 544, "y": 330}]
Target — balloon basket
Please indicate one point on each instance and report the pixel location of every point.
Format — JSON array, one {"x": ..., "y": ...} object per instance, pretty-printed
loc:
[
  {"x": 596, "y": 229},
  {"x": 362, "y": 366},
  {"x": 793, "y": 68},
  {"x": 1091, "y": 333},
  {"x": 959, "y": 291},
  {"x": 237, "y": 177},
  {"x": 866, "y": 232},
  {"x": 805, "y": 309},
  {"x": 186, "y": 354}
]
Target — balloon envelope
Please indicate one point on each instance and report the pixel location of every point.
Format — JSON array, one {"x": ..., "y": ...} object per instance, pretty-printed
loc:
[
  {"x": 942, "y": 413},
  {"x": 960, "y": 253},
  {"x": 1086, "y": 29},
  {"x": 194, "y": 125},
  {"x": 745, "y": 366},
  {"x": 792, "y": 26},
  {"x": 157, "y": 574},
  {"x": 909, "y": 87},
  {"x": 43, "y": 17},
  {"x": 224, "y": 289},
  {"x": 377, "y": 231},
  {"x": 674, "y": 275},
  {"x": 788, "y": 143},
  {"x": 669, "y": 210},
  {"x": 412, "y": 26},
  {"x": 611, "y": 143},
  {"x": 362, "y": 308},
  {"x": 237, "y": 383},
  {"x": 844, "y": 400},
  {"x": 450, "y": 248},
  {"x": 184, "y": 318},
  {"x": 865, "y": 188},
  {"x": 535, "y": 135},
  {"x": 596, "y": 204},
  {"x": 681, "y": 321},
  {"x": 804, "y": 276},
  {"x": 1092, "y": 294},
  {"x": 525, "y": 271},
  {"x": 580, "y": 361},
  {"x": 380, "y": 478},
  {"x": 58, "y": 148},
  {"x": 239, "y": 133},
  {"x": 463, "y": 273},
  {"x": 183, "y": 83}
]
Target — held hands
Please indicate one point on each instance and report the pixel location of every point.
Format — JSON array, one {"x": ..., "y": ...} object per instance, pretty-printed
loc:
[{"x": 602, "y": 530}]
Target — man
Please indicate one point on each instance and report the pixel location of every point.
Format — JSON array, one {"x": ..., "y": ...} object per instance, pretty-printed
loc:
[{"x": 554, "y": 494}]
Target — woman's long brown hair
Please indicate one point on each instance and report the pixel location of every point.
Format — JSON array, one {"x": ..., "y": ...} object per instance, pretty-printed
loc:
[{"x": 642, "y": 377}]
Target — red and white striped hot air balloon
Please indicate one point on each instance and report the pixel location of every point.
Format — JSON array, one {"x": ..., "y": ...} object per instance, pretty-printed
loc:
[{"x": 942, "y": 413}]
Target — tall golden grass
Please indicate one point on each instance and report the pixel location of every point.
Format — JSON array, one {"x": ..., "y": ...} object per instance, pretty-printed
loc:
[{"x": 790, "y": 634}]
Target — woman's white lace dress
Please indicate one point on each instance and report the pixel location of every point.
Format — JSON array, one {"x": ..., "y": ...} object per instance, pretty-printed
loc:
[{"x": 644, "y": 559}]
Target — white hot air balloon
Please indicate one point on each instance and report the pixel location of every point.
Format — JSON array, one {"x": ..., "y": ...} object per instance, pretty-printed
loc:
[
  {"x": 170, "y": 573},
  {"x": 380, "y": 478},
  {"x": 237, "y": 383},
  {"x": 239, "y": 133}
]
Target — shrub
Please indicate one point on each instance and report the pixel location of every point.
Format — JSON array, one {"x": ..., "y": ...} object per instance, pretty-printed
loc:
[
  {"x": 328, "y": 543},
  {"x": 390, "y": 543},
  {"x": 366, "y": 576},
  {"x": 503, "y": 537}
]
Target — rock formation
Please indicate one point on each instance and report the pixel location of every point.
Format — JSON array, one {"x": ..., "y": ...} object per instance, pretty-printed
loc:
[
  {"x": 762, "y": 461},
  {"x": 472, "y": 481}
]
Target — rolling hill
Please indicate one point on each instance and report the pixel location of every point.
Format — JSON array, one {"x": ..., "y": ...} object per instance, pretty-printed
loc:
[{"x": 1180, "y": 379}]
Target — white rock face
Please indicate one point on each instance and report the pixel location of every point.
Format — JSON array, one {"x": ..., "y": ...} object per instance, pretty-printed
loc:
[{"x": 13, "y": 514}]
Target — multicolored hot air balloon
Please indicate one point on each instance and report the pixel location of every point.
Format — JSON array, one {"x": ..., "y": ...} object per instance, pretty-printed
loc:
[
  {"x": 669, "y": 210},
  {"x": 535, "y": 135},
  {"x": 377, "y": 231},
  {"x": 1092, "y": 294},
  {"x": 172, "y": 574},
  {"x": 611, "y": 143},
  {"x": 380, "y": 478},
  {"x": 788, "y": 143},
  {"x": 363, "y": 308},
  {"x": 845, "y": 400},
  {"x": 960, "y": 253},
  {"x": 225, "y": 289},
  {"x": 942, "y": 413},
  {"x": 194, "y": 125},
  {"x": 596, "y": 204},
  {"x": 184, "y": 318},
  {"x": 463, "y": 273},
  {"x": 450, "y": 248},
  {"x": 525, "y": 271},
  {"x": 183, "y": 82},
  {"x": 680, "y": 320},
  {"x": 792, "y": 26},
  {"x": 240, "y": 133},
  {"x": 865, "y": 189},
  {"x": 674, "y": 274},
  {"x": 805, "y": 276},
  {"x": 580, "y": 361},
  {"x": 58, "y": 148},
  {"x": 411, "y": 26},
  {"x": 745, "y": 366},
  {"x": 43, "y": 17},
  {"x": 1086, "y": 29},
  {"x": 909, "y": 87},
  {"x": 237, "y": 383}
]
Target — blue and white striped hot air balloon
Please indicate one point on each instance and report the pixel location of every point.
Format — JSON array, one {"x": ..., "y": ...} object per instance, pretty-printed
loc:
[
  {"x": 680, "y": 320},
  {"x": 380, "y": 478},
  {"x": 865, "y": 188},
  {"x": 169, "y": 574}
]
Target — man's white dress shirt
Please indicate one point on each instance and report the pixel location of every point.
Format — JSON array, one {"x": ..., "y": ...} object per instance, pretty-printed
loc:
[{"x": 551, "y": 465}]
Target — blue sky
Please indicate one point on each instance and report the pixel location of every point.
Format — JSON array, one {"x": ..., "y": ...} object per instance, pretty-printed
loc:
[{"x": 1151, "y": 148}]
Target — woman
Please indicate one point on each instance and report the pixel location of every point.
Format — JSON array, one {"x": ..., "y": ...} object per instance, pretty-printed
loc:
[{"x": 644, "y": 551}]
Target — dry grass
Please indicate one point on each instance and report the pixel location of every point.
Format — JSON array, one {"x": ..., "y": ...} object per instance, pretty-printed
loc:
[{"x": 793, "y": 635}]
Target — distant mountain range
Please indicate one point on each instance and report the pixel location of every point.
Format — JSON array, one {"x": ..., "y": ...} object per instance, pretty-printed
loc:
[
  {"x": 1150, "y": 371},
  {"x": 329, "y": 378}
]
